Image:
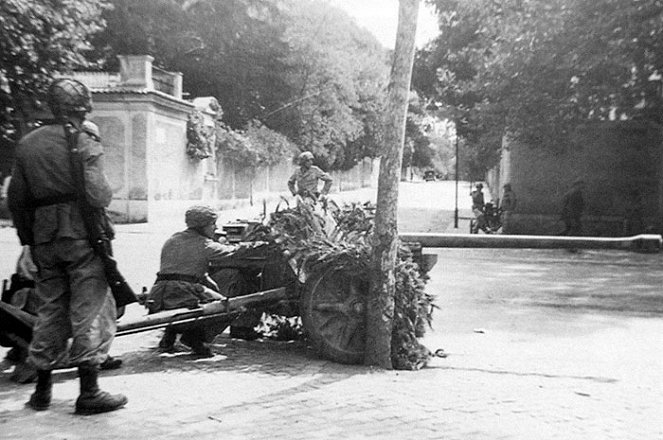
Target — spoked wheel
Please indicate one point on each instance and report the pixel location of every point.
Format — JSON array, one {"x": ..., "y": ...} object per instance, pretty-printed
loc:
[{"x": 333, "y": 314}]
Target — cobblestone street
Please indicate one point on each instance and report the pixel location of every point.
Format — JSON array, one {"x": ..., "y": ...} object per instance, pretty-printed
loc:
[{"x": 541, "y": 345}]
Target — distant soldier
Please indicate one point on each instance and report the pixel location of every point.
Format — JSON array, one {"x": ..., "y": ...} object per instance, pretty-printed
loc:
[
  {"x": 478, "y": 205},
  {"x": 508, "y": 202},
  {"x": 634, "y": 214},
  {"x": 75, "y": 300},
  {"x": 573, "y": 206},
  {"x": 304, "y": 181}
]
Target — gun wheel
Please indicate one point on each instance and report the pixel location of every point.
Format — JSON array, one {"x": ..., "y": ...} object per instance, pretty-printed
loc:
[{"x": 333, "y": 315}]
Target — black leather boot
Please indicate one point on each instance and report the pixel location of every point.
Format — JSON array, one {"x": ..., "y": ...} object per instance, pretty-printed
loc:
[
  {"x": 111, "y": 363},
  {"x": 40, "y": 400},
  {"x": 93, "y": 400},
  {"x": 167, "y": 342}
]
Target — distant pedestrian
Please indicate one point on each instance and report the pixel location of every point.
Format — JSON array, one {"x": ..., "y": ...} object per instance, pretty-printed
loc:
[
  {"x": 573, "y": 206},
  {"x": 634, "y": 214},
  {"x": 478, "y": 205},
  {"x": 508, "y": 202}
]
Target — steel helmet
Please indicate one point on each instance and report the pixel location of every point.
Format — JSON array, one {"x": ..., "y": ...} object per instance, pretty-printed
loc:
[
  {"x": 199, "y": 216},
  {"x": 306, "y": 155},
  {"x": 67, "y": 96}
]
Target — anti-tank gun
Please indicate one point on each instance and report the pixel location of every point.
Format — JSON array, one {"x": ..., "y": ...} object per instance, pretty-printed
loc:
[
  {"x": 324, "y": 275},
  {"x": 282, "y": 267}
]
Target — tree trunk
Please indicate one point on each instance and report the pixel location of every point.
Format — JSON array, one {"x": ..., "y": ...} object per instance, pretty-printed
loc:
[{"x": 380, "y": 301}]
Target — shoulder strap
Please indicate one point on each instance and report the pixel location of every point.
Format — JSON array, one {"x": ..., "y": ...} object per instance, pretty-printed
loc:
[{"x": 71, "y": 134}]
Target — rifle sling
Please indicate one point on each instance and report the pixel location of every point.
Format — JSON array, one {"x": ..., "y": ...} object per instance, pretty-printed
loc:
[{"x": 98, "y": 239}]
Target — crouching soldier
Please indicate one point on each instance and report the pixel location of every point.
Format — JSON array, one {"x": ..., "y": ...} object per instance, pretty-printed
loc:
[{"x": 183, "y": 280}]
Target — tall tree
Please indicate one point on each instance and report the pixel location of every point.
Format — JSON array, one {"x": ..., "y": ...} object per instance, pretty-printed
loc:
[
  {"x": 380, "y": 301},
  {"x": 37, "y": 40},
  {"x": 338, "y": 72},
  {"x": 539, "y": 68},
  {"x": 300, "y": 67}
]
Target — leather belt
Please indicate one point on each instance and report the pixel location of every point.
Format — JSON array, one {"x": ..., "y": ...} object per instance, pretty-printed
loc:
[
  {"x": 54, "y": 200},
  {"x": 177, "y": 277}
]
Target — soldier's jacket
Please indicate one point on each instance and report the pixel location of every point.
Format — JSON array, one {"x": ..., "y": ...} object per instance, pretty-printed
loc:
[
  {"x": 307, "y": 181},
  {"x": 185, "y": 253},
  {"x": 42, "y": 170},
  {"x": 189, "y": 253}
]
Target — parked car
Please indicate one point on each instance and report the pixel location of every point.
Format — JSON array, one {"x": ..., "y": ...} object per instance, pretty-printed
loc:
[{"x": 429, "y": 176}]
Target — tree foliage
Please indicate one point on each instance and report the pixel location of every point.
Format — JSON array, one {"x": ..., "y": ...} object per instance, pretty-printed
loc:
[
  {"x": 300, "y": 67},
  {"x": 338, "y": 73},
  {"x": 37, "y": 40},
  {"x": 536, "y": 69},
  {"x": 418, "y": 150}
]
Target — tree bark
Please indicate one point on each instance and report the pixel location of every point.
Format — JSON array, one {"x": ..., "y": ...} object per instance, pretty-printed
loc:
[{"x": 380, "y": 301}]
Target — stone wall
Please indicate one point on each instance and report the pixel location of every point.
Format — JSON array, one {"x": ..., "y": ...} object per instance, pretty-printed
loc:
[
  {"x": 613, "y": 158},
  {"x": 143, "y": 121},
  {"x": 237, "y": 185},
  {"x": 144, "y": 138}
]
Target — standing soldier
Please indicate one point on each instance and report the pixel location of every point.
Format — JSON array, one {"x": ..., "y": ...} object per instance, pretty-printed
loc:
[
  {"x": 573, "y": 205},
  {"x": 306, "y": 177},
  {"x": 70, "y": 283},
  {"x": 508, "y": 202}
]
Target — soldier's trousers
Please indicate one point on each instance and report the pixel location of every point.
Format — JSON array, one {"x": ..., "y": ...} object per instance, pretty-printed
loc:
[{"x": 76, "y": 303}]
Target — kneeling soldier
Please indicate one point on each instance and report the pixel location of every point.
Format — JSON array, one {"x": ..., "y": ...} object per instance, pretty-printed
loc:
[{"x": 183, "y": 280}]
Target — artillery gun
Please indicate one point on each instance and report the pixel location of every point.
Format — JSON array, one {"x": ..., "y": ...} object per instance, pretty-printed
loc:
[{"x": 263, "y": 277}]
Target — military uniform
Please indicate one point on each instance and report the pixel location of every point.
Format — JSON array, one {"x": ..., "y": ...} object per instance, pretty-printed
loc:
[
  {"x": 306, "y": 182},
  {"x": 70, "y": 282},
  {"x": 183, "y": 280}
]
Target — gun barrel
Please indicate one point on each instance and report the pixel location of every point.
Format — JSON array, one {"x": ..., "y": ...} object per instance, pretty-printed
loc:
[
  {"x": 642, "y": 242},
  {"x": 210, "y": 310}
]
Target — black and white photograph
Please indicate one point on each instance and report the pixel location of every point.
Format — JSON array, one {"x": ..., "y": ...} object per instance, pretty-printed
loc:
[{"x": 331, "y": 219}]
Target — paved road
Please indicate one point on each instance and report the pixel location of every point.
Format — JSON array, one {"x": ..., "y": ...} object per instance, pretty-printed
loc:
[{"x": 542, "y": 344}]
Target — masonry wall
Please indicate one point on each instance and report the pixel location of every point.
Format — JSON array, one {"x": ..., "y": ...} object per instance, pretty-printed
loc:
[
  {"x": 144, "y": 137},
  {"x": 240, "y": 185},
  {"x": 613, "y": 158}
]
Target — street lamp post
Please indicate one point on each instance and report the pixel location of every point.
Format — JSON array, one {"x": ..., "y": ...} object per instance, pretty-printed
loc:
[{"x": 456, "y": 210}]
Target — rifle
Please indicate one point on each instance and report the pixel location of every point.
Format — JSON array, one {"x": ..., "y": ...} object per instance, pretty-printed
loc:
[{"x": 98, "y": 226}]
